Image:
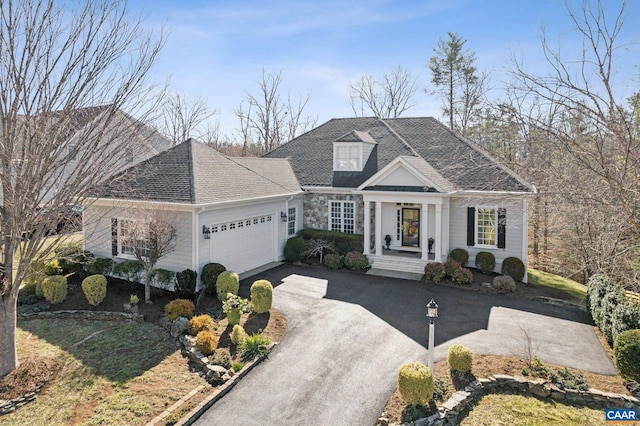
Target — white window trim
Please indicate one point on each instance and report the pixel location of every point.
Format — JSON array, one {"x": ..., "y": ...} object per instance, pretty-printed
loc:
[
  {"x": 495, "y": 219},
  {"x": 292, "y": 219},
  {"x": 342, "y": 218},
  {"x": 347, "y": 145},
  {"x": 120, "y": 253}
]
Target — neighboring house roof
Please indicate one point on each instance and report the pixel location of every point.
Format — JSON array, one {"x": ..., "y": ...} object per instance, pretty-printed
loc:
[
  {"x": 198, "y": 174},
  {"x": 455, "y": 162}
]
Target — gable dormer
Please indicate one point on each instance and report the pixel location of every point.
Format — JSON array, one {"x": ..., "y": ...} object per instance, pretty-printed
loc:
[{"x": 351, "y": 151}]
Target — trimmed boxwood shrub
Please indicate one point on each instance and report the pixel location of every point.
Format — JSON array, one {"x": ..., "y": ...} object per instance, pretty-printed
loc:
[
  {"x": 294, "y": 249},
  {"x": 343, "y": 242},
  {"x": 163, "y": 278},
  {"x": 415, "y": 383},
  {"x": 238, "y": 335},
  {"x": 460, "y": 358},
  {"x": 626, "y": 354},
  {"x": 227, "y": 282},
  {"x": 54, "y": 289},
  {"x": 94, "y": 288},
  {"x": 486, "y": 262},
  {"x": 186, "y": 283},
  {"x": 209, "y": 276},
  {"x": 460, "y": 255},
  {"x": 179, "y": 308},
  {"x": 334, "y": 261},
  {"x": 200, "y": 323},
  {"x": 513, "y": 267},
  {"x": 130, "y": 270},
  {"x": 261, "y": 296},
  {"x": 99, "y": 266},
  {"x": 206, "y": 342},
  {"x": 434, "y": 272}
]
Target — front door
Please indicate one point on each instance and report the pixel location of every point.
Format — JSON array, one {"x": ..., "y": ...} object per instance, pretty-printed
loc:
[{"x": 410, "y": 227}]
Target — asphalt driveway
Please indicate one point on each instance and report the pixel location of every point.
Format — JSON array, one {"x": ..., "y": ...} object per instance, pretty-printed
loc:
[{"x": 349, "y": 333}]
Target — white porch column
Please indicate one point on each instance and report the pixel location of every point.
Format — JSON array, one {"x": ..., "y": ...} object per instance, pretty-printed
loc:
[
  {"x": 438, "y": 244},
  {"x": 367, "y": 227},
  {"x": 378, "y": 235},
  {"x": 424, "y": 231}
]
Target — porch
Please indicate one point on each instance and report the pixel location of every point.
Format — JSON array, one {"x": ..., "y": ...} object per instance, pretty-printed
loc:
[{"x": 403, "y": 232}]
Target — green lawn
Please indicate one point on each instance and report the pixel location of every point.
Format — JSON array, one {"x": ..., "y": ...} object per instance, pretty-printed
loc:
[
  {"x": 518, "y": 410},
  {"x": 119, "y": 372},
  {"x": 574, "y": 288}
]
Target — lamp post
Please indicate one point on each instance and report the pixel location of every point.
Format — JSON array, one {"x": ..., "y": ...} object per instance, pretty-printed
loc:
[{"x": 432, "y": 314}]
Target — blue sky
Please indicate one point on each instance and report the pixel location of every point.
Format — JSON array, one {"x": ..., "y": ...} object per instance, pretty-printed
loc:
[{"x": 216, "y": 49}]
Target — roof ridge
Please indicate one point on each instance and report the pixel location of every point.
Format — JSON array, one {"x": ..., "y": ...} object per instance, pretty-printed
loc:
[
  {"x": 259, "y": 174},
  {"x": 192, "y": 170},
  {"x": 400, "y": 138}
]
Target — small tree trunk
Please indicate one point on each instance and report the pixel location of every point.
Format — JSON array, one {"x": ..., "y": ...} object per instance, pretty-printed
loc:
[
  {"x": 8, "y": 353},
  {"x": 147, "y": 286}
]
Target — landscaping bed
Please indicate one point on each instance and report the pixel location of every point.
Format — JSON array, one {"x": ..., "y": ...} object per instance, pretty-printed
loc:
[
  {"x": 114, "y": 371},
  {"x": 397, "y": 411}
]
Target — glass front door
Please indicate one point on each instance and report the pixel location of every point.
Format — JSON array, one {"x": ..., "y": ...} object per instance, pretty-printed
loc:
[{"x": 411, "y": 227}]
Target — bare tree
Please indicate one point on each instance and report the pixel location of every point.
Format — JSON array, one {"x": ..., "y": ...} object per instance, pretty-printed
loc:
[
  {"x": 267, "y": 120},
  {"x": 593, "y": 133},
  {"x": 456, "y": 79},
  {"x": 389, "y": 97},
  {"x": 54, "y": 65},
  {"x": 182, "y": 117},
  {"x": 152, "y": 236}
]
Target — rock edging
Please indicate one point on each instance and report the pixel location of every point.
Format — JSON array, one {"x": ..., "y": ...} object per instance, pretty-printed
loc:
[
  {"x": 11, "y": 405},
  {"x": 222, "y": 379},
  {"x": 85, "y": 315},
  {"x": 450, "y": 411}
]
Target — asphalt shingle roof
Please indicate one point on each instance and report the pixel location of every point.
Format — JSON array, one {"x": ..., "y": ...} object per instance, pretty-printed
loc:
[
  {"x": 195, "y": 173},
  {"x": 457, "y": 161}
]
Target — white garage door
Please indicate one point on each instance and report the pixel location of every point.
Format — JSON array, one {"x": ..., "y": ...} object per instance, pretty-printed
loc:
[{"x": 243, "y": 244}]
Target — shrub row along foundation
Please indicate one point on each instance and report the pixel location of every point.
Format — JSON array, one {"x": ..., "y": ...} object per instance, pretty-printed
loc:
[{"x": 449, "y": 412}]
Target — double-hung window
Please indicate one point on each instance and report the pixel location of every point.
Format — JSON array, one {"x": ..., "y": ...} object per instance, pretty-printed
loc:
[
  {"x": 133, "y": 235},
  {"x": 342, "y": 216},
  {"x": 487, "y": 227},
  {"x": 291, "y": 221},
  {"x": 348, "y": 158}
]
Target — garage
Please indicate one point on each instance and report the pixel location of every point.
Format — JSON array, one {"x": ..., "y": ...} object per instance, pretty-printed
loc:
[{"x": 243, "y": 244}]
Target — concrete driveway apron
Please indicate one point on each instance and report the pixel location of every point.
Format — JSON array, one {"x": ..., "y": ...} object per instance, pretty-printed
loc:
[{"x": 349, "y": 333}]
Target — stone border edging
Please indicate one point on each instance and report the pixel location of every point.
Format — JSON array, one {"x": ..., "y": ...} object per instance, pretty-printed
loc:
[
  {"x": 221, "y": 391},
  {"x": 87, "y": 315},
  {"x": 460, "y": 401},
  {"x": 213, "y": 397},
  {"x": 11, "y": 405}
]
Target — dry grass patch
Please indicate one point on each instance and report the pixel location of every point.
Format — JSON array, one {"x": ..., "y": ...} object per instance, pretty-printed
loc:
[{"x": 109, "y": 373}]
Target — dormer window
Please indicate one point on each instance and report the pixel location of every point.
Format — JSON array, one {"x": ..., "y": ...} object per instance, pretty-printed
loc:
[
  {"x": 351, "y": 151},
  {"x": 347, "y": 157}
]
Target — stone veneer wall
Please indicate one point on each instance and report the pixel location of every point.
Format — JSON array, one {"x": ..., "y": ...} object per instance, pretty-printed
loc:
[{"x": 316, "y": 210}]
